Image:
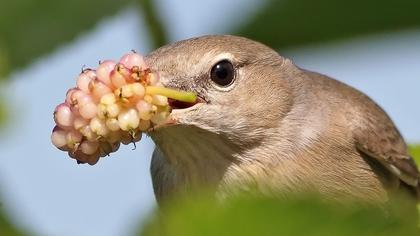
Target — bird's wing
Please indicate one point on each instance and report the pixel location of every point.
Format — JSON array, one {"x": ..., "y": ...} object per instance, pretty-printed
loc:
[
  {"x": 385, "y": 147},
  {"x": 376, "y": 137}
]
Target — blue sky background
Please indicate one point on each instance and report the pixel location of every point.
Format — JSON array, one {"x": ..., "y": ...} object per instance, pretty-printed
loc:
[{"x": 48, "y": 194}]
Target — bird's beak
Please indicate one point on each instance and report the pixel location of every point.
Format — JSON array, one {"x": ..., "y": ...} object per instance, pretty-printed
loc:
[
  {"x": 180, "y": 85},
  {"x": 179, "y": 110}
]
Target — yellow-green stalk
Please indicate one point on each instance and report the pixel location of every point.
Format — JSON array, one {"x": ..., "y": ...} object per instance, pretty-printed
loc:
[{"x": 182, "y": 96}]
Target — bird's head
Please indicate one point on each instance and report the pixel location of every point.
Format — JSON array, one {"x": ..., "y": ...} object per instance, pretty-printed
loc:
[{"x": 242, "y": 87}]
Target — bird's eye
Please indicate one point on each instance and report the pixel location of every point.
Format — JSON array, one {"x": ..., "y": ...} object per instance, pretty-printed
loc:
[{"x": 222, "y": 73}]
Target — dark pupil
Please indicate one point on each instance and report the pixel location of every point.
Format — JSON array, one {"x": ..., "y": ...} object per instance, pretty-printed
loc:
[{"x": 222, "y": 73}]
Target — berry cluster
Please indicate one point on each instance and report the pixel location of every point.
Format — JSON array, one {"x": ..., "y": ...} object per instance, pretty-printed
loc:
[{"x": 111, "y": 105}]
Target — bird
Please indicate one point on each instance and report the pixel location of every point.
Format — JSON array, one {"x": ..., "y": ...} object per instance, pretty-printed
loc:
[{"x": 262, "y": 123}]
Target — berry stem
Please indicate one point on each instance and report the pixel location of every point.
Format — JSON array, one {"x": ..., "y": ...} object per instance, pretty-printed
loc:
[{"x": 172, "y": 93}]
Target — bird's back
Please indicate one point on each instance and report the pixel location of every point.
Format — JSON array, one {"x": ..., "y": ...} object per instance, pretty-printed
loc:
[{"x": 358, "y": 124}]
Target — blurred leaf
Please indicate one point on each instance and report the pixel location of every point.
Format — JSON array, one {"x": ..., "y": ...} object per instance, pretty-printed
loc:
[
  {"x": 4, "y": 64},
  {"x": 6, "y": 228},
  {"x": 156, "y": 27},
  {"x": 29, "y": 29},
  {"x": 265, "y": 216},
  {"x": 3, "y": 112},
  {"x": 285, "y": 23},
  {"x": 415, "y": 153}
]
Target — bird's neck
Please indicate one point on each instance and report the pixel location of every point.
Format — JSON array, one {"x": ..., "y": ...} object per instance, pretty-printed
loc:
[{"x": 194, "y": 156}]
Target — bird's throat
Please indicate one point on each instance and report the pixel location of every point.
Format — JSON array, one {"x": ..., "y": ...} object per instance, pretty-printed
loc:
[{"x": 194, "y": 156}]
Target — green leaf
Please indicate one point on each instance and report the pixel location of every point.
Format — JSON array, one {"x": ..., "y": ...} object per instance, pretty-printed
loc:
[
  {"x": 6, "y": 228},
  {"x": 415, "y": 152},
  {"x": 154, "y": 22},
  {"x": 289, "y": 23},
  {"x": 303, "y": 215},
  {"x": 4, "y": 63},
  {"x": 3, "y": 112}
]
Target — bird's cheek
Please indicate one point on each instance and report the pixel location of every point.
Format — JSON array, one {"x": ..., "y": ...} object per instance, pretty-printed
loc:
[
  {"x": 191, "y": 116},
  {"x": 197, "y": 115},
  {"x": 177, "y": 117},
  {"x": 169, "y": 122}
]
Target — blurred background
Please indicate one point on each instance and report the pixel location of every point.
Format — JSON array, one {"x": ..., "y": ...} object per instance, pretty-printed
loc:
[{"x": 371, "y": 45}]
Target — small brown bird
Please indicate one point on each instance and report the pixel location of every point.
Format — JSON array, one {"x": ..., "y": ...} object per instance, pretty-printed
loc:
[{"x": 263, "y": 123}]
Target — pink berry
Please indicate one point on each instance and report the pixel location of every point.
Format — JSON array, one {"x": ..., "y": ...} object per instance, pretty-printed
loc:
[
  {"x": 79, "y": 156},
  {"x": 74, "y": 138},
  {"x": 104, "y": 72},
  {"x": 108, "y": 107},
  {"x": 115, "y": 146},
  {"x": 147, "y": 98},
  {"x": 59, "y": 137},
  {"x": 159, "y": 100},
  {"x": 84, "y": 79},
  {"x": 137, "y": 89},
  {"x": 93, "y": 159},
  {"x": 160, "y": 117},
  {"x": 126, "y": 138},
  {"x": 101, "y": 111},
  {"x": 88, "y": 133},
  {"x": 69, "y": 95},
  {"x": 136, "y": 137},
  {"x": 129, "y": 137},
  {"x": 125, "y": 91},
  {"x": 131, "y": 60},
  {"x": 99, "y": 127},
  {"x": 63, "y": 115},
  {"x": 144, "y": 125},
  {"x": 128, "y": 119},
  {"x": 113, "y": 110},
  {"x": 153, "y": 79},
  {"x": 112, "y": 124},
  {"x": 105, "y": 149},
  {"x": 88, "y": 110},
  {"x": 81, "y": 103},
  {"x": 144, "y": 108},
  {"x": 119, "y": 76},
  {"x": 114, "y": 136},
  {"x": 108, "y": 99},
  {"x": 80, "y": 122},
  {"x": 88, "y": 147},
  {"x": 98, "y": 89},
  {"x": 77, "y": 97}
]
